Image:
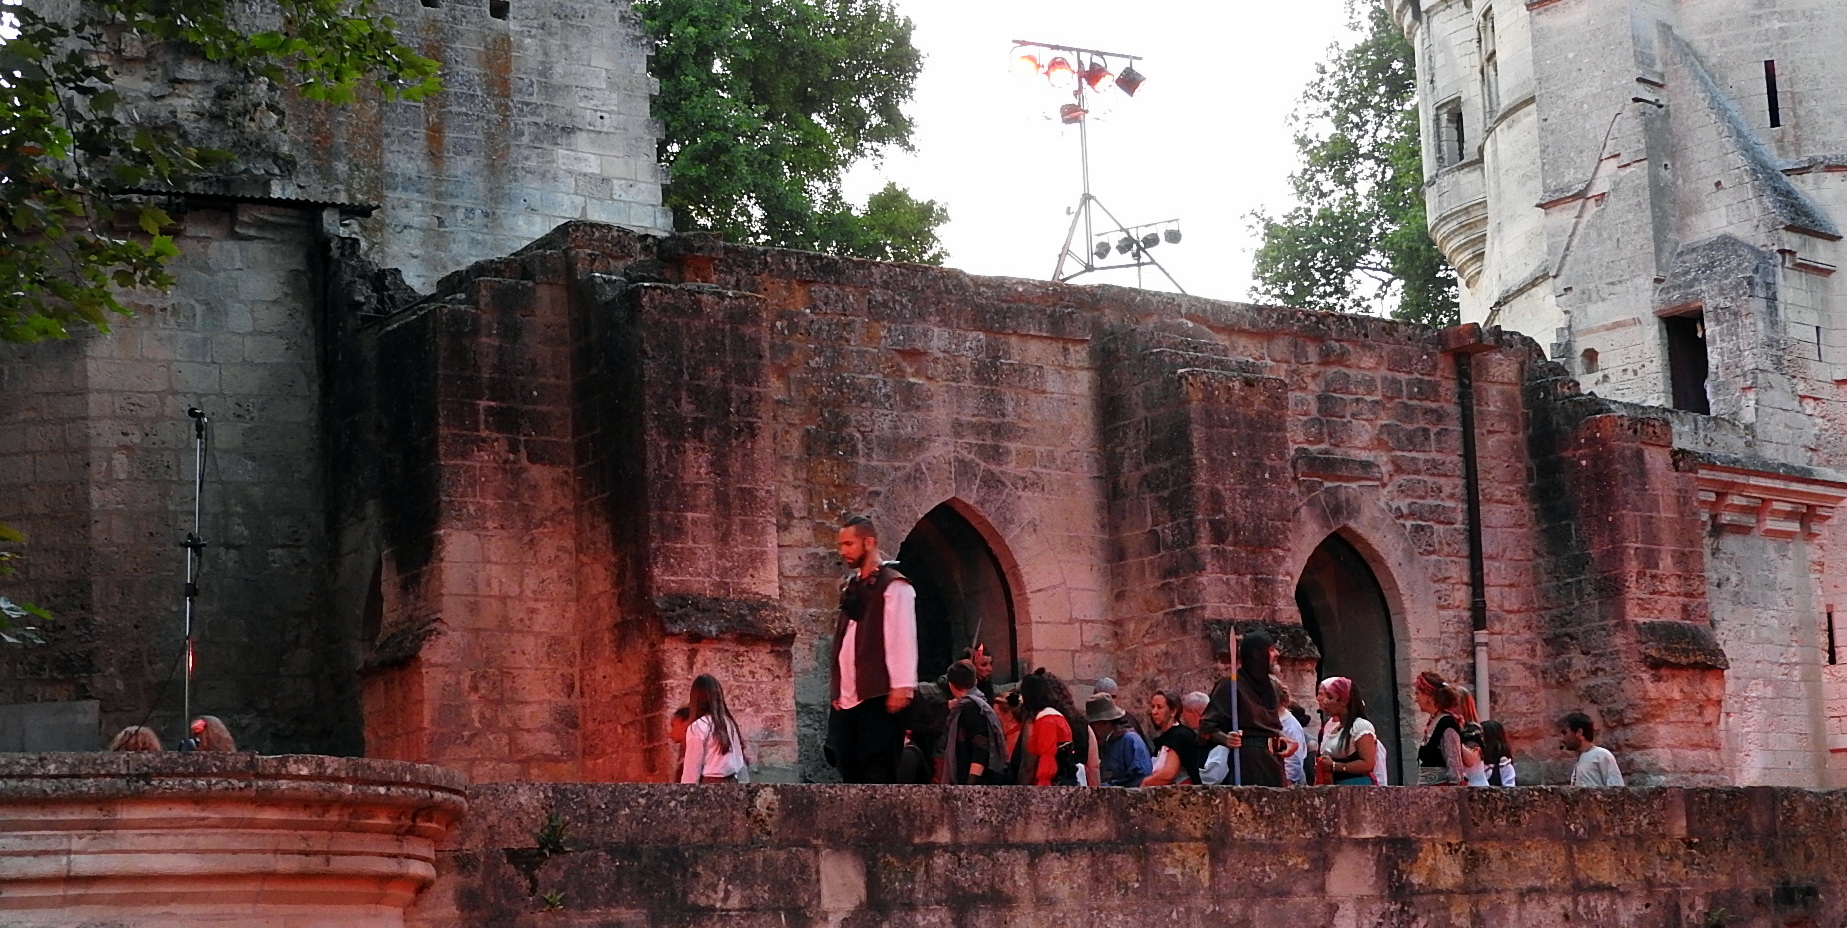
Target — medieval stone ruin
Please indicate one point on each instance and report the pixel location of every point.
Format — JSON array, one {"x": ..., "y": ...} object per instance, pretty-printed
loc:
[{"x": 491, "y": 504}]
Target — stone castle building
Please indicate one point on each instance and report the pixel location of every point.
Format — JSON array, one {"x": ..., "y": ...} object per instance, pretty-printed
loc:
[
  {"x": 497, "y": 519},
  {"x": 1655, "y": 191}
]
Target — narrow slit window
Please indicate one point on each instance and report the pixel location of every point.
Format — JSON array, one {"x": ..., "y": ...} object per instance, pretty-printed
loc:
[
  {"x": 1451, "y": 143},
  {"x": 1687, "y": 363},
  {"x": 1770, "y": 96},
  {"x": 1834, "y": 656},
  {"x": 1490, "y": 68}
]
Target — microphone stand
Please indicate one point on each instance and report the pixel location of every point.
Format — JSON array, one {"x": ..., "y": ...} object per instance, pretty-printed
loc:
[{"x": 195, "y": 549}]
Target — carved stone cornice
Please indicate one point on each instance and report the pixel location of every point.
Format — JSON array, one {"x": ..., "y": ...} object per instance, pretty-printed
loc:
[{"x": 1775, "y": 505}]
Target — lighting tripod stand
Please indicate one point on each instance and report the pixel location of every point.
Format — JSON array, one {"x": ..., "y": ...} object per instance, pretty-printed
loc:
[
  {"x": 1092, "y": 75},
  {"x": 195, "y": 550}
]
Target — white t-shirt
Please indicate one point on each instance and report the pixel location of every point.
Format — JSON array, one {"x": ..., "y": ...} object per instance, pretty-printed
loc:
[
  {"x": 1336, "y": 743},
  {"x": 1507, "y": 773},
  {"x": 701, "y": 745},
  {"x": 1292, "y": 765},
  {"x": 1596, "y": 767},
  {"x": 1217, "y": 768}
]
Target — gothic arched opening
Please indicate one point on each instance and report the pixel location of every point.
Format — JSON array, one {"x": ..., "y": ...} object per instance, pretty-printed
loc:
[
  {"x": 962, "y": 594},
  {"x": 1344, "y": 610}
]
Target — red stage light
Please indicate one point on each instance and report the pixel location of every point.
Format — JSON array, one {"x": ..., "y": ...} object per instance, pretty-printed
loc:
[
  {"x": 1098, "y": 77},
  {"x": 1060, "y": 74}
]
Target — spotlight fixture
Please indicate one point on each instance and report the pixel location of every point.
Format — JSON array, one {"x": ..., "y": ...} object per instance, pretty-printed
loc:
[
  {"x": 1027, "y": 65},
  {"x": 1101, "y": 251},
  {"x": 1129, "y": 80},
  {"x": 1060, "y": 74},
  {"x": 1172, "y": 236},
  {"x": 1071, "y": 114},
  {"x": 1150, "y": 240},
  {"x": 1127, "y": 243},
  {"x": 1097, "y": 76}
]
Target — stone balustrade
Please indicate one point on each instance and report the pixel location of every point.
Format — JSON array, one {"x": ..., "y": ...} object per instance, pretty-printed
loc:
[{"x": 200, "y": 840}]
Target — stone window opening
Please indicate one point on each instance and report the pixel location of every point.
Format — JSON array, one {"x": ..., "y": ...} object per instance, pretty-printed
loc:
[
  {"x": 432, "y": 4},
  {"x": 1587, "y": 361},
  {"x": 1687, "y": 362},
  {"x": 499, "y": 8},
  {"x": 1452, "y": 139},
  {"x": 1834, "y": 653},
  {"x": 1490, "y": 68},
  {"x": 1770, "y": 96}
]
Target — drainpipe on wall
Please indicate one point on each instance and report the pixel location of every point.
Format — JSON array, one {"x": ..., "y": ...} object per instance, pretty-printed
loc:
[{"x": 1462, "y": 343}]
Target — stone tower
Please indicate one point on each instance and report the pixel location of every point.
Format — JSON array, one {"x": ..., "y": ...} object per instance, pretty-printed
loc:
[
  {"x": 544, "y": 118},
  {"x": 1656, "y": 191}
]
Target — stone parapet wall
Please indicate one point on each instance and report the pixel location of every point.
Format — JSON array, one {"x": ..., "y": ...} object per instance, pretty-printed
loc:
[
  {"x": 194, "y": 840},
  {"x": 929, "y": 856}
]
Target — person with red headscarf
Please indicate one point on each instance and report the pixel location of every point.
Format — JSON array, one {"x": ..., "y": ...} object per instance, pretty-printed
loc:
[{"x": 1349, "y": 744}]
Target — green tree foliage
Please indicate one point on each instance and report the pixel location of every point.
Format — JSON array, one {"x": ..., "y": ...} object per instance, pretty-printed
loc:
[
  {"x": 69, "y": 148},
  {"x": 1356, "y": 240},
  {"x": 766, "y": 104},
  {"x": 11, "y": 613}
]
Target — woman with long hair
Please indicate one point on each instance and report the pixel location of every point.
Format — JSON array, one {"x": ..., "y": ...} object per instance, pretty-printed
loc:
[
  {"x": 714, "y": 744},
  {"x": 213, "y": 735},
  {"x": 1044, "y": 730},
  {"x": 1474, "y": 766},
  {"x": 1497, "y": 753},
  {"x": 1439, "y": 758},
  {"x": 135, "y": 738},
  {"x": 1090, "y": 760},
  {"x": 1349, "y": 744}
]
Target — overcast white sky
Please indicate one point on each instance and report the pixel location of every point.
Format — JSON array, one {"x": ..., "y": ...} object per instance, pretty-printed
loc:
[{"x": 1204, "y": 140}]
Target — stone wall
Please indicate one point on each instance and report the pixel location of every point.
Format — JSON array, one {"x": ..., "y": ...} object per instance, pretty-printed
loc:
[
  {"x": 543, "y": 118},
  {"x": 612, "y": 462},
  {"x": 852, "y": 856},
  {"x": 214, "y": 840},
  {"x": 100, "y": 475}
]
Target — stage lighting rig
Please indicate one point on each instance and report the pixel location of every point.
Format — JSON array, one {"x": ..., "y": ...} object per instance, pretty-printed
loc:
[{"x": 1092, "y": 75}]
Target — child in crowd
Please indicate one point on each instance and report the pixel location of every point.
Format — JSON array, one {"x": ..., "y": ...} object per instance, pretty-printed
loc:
[
  {"x": 1497, "y": 753},
  {"x": 714, "y": 743}
]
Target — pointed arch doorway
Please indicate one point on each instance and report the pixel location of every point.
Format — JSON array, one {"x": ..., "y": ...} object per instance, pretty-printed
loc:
[
  {"x": 962, "y": 594},
  {"x": 1345, "y": 612}
]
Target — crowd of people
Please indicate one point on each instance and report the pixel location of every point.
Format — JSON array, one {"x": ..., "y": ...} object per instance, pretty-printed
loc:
[{"x": 887, "y": 727}]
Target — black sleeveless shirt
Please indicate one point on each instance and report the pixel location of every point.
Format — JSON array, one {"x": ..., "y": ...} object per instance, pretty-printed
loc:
[{"x": 1430, "y": 754}]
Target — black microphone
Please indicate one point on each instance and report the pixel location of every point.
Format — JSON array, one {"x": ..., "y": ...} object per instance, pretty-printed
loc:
[{"x": 195, "y": 412}]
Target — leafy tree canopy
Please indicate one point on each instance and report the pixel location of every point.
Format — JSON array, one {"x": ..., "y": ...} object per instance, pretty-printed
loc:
[
  {"x": 1356, "y": 241},
  {"x": 69, "y": 147},
  {"x": 766, "y": 104}
]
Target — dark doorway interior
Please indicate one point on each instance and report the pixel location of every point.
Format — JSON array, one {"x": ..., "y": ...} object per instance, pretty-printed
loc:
[
  {"x": 1344, "y": 611},
  {"x": 1687, "y": 363},
  {"x": 962, "y": 595}
]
